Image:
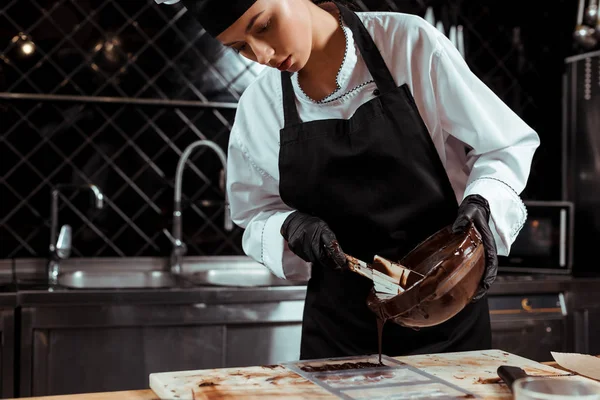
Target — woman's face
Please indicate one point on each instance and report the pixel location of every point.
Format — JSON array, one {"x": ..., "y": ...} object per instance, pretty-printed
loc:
[{"x": 275, "y": 33}]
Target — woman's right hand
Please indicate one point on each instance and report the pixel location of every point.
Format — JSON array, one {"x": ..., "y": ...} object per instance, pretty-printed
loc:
[{"x": 311, "y": 239}]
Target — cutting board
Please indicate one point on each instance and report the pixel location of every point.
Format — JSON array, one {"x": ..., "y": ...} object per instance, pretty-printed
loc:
[
  {"x": 266, "y": 382},
  {"x": 473, "y": 371}
]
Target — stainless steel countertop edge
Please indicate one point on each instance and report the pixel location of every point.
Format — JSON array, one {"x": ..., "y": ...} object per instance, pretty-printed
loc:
[
  {"x": 195, "y": 295},
  {"x": 229, "y": 295},
  {"x": 186, "y": 294}
]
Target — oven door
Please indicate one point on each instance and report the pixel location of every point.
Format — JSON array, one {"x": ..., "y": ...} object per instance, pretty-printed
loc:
[
  {"x": 544, "y": 244},
  {"x": 529, "y": 326}
]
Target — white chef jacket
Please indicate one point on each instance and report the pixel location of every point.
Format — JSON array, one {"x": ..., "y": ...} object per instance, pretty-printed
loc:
[{"x": 458, "y": 109}]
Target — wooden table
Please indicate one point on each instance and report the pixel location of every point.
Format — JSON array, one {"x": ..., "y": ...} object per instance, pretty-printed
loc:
[
  {"x": 150, "y": 395},
  {"x": 122, "y": 395}
]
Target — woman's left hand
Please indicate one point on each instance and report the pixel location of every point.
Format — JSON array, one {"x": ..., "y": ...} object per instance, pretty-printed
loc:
[{"x": 476, "y": 209}]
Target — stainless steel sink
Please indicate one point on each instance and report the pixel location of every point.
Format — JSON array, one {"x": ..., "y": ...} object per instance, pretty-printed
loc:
[
  {"x": 242, "y": 277},
  {"x": 116, "y": 279}
]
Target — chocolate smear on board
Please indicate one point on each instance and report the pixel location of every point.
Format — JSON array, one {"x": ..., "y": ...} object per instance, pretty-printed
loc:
[{"x": 340, "y": 367}]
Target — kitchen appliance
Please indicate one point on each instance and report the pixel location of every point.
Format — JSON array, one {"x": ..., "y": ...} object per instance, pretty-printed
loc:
[
  {"x": 530, "y": 325},
  {"x": 581, "y": 157},
  {"x": 545, "y": 243}
]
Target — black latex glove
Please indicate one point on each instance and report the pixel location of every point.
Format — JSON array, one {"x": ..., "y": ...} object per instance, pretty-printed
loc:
[
  {"x": 476, "y": 209},
  {"x": 311, "y": 239}
]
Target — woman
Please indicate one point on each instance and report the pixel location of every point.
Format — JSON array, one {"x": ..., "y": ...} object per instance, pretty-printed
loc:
[{"x": 365, "y": 142}]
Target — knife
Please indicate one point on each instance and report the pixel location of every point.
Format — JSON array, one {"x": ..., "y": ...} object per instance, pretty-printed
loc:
[{"x": 510, "y": 374}]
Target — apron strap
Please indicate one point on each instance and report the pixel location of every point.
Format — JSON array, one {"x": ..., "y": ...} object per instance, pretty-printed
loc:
[
  {"x": 375, "y": 63},
  {"x": 290, "y": 111}
]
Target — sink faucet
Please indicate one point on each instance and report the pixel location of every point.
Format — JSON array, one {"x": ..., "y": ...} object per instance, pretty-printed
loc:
[
  {"x": 179, "y": 248},
  {"x": 60, "y": 249}
]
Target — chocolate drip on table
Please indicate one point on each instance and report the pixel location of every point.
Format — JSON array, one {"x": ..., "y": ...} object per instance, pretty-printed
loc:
[{"x": 380, "y": 323}]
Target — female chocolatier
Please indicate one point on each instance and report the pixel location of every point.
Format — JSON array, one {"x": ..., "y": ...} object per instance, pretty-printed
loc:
[{"x": 369, "y": 130}]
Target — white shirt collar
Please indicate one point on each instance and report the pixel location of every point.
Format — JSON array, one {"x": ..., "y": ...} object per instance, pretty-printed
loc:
[{"x": 344, "y": 73}]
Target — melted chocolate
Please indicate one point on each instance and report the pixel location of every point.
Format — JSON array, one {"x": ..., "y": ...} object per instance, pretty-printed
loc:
[
  {"x": 452, "y": 262},
  {"x": 380, "y": 323},
  {"x": 340, "y": 367},
  {"x": 406, "y": 308}
]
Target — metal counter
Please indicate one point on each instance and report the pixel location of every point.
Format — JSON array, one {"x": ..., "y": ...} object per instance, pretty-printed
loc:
[{"x": 32, "y": 289}]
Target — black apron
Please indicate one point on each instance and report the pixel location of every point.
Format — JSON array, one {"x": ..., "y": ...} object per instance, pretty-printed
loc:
[{"x": 378, "y": 182}]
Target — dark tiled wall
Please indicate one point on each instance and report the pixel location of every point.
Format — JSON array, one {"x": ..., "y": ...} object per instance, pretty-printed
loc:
[{"x": 135, "y": 49}]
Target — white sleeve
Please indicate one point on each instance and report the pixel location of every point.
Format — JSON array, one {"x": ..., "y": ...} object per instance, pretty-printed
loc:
[
  {"x": 501, "y": 144},
  {"x": 257, "y": 207}
]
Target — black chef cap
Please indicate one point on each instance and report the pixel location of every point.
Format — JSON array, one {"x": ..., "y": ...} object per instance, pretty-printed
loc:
[{"x": 217, "y": 15}]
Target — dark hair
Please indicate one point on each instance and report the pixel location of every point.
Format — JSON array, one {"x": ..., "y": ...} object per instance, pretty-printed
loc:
[{"x": 348, "y": 3}]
